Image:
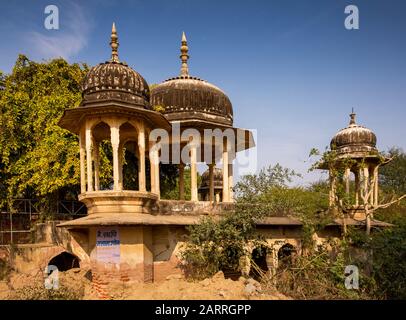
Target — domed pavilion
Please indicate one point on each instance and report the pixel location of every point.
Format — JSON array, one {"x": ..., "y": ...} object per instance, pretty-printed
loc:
[
  {"x": 354, "y": 154},
  {"x": 198, "y": 108},
  {"x": 134, "y": 235}
]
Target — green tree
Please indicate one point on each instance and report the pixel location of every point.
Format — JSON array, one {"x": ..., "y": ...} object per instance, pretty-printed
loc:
[
  {"x": 37, "y": 157},
  {"x": 392, "y": 176},
  {"x": 219, "y": 243}
]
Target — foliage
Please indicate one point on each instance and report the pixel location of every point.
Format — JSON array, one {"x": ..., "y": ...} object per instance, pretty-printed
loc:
[
  {"x": 39, "y": 292},
  {"x": 320, "y": 275},
  {"x": 215, "y": 245},
  {"x": 389, "y": 256},
  {"x": 169, "y": 175},
  {"x": 220, "y": 244},
  {"x": 392, "y": 176},
  {"x": 253, "y": 185},
  {"x": 37, "y": 157}
]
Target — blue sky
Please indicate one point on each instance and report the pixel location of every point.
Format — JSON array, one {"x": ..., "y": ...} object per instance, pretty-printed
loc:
[{"x": 290, "y": 68}]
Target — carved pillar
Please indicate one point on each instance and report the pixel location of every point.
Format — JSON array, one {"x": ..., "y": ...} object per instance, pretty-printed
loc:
[
  {"x": 211, "y": 182},
  {"x": 89, "y": 157},
  {"x": 141, "y": 161},
  {"x": 157, "y": 185},
  {"x": 230, "y": 182},
  {"x": 82, "y": 146},
  {"x": 347, "y": 175},
  {"x": 376, "y": 186},
  {"x": 115, "y": 142},
  {"x": 332, "y": 193},
  {"x": 152, "y": 168},
  {"x": 357, "y": 187},
  {"x": 366, "y": 182},
  {"x": 96, "y": 157},
  {"x": 154, "y": 164},
  {"x": 372, "y": 186},
  {"x": 226, "y": 190},
  {"x": 193, "y": 172},
  {"x": 121, "y": 155},
  {"x": 181, "y": 181}
]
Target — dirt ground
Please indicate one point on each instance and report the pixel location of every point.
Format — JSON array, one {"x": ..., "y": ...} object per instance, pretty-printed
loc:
[{"x": 173, "y": 288}]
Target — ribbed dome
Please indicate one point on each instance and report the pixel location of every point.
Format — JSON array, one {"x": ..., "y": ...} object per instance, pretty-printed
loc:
[
  {"x": 190, "y": 98},
  {"x": 217, "y": 178},
  {"x": 354, "y": 138},
  {"x": 187, "y": 97},
  {"x": 115, "y": 80}
]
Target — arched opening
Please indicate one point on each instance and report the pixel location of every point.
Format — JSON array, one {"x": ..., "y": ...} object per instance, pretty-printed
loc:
[
  {"x": 103, "y": 159},
  {"x": 128, "y": 157},
  {"x": 285, "y": 254},
  {"x": 259, "y": 267},
  {"x": 65, "y": 261},
  {"x": 130, "y": 161}
]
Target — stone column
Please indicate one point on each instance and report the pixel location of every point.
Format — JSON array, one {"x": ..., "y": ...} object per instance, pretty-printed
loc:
[
  {"x": 154, "y": 164},
  {"x": 141, "y": 160},
  {"x": 181, "y": 181},
  {"x": 89, "y": 157},
  {"x": 211, "y": 182},
  {"x": 115, "y": 142},
  {"x": 96, "y": 153},
  {"x": 120, "y": 166},
  {"x": 226, "y": 190},
  {"x": 366, "y": 180},
  {"x": 347, "y": 175},
  {"x": 230, "y": 182},
  {"x": 332, "y": 190},
  {"x": 357, "y": 187},
  {"x": 152, "y": 169},
  {"x": 376, "y": 186},
  {"x": 157, "y": 186},
  {"x": 372, "y": 186},
  {"x": 193, "y": 173},
  {"x": 82, "y": 146}
]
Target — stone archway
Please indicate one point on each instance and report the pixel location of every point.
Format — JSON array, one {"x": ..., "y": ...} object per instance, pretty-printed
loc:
[
  {"x": 259, "y": 265},
  {"x": 65, "y": 261},
  {"x": 285, "y": 254}
]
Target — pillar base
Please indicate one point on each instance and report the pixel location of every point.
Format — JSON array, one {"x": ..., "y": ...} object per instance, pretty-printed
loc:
[{"x": 118, "y": 201}]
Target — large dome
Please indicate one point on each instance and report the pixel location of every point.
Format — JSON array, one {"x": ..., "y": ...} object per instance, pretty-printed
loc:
[
  {"x": 190, "y": 98},
  {"x": 354, "y": 138},
  {"x": 115, "y": 80}
]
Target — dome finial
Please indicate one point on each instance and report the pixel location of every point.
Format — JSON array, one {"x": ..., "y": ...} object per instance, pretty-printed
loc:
[
  {"x": 352, "y": 115},
  {"x": 184, "y": 70},
  {"x": 114, "y": 44}
]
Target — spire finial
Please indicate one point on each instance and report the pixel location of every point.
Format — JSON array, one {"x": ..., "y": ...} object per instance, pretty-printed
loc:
[
  {"x": 184, "y": 70},
  {"x": 352, "y": 115},
  {"x": 114, "y": 44}
]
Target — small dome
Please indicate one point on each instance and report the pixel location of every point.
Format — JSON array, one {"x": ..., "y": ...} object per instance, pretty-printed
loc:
[
  {"x": 190, "y": 98},
  {"x": 354, "y": 138},
  {"x": 115, "y": 80},
  {"x": 217, "y": 177}
]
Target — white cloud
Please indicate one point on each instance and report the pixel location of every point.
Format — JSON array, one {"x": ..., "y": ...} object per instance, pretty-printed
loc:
[{"x": 66, "y": 42}]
